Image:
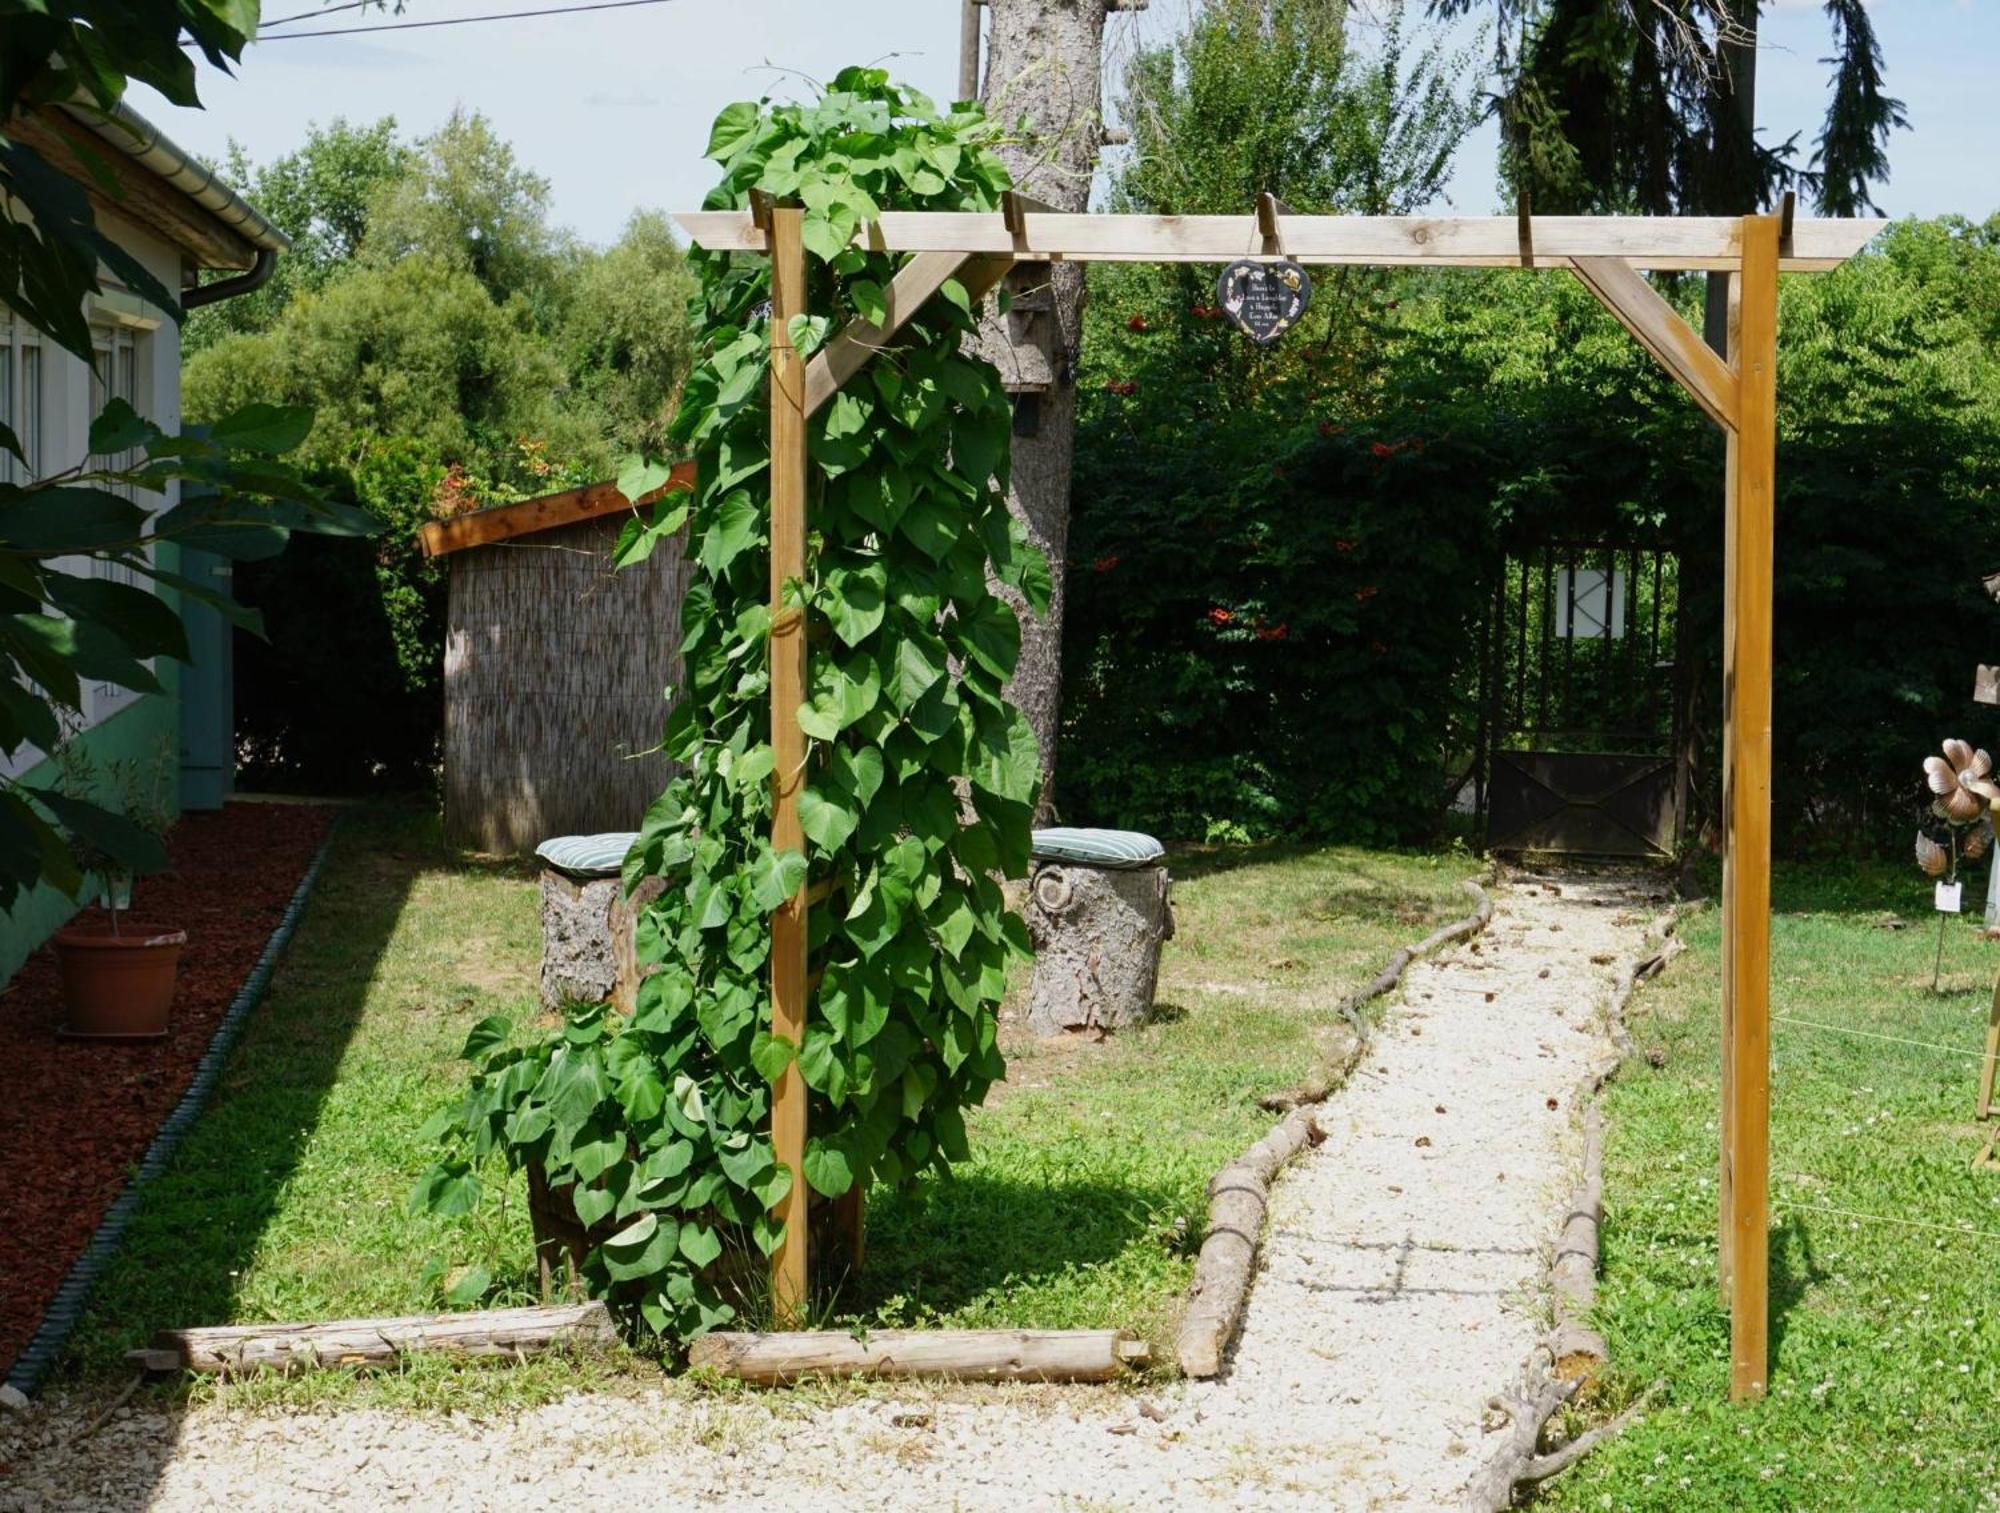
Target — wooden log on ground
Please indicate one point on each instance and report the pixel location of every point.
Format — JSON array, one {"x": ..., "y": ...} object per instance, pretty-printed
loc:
[
  {"x": 1238, "y": 1195},
  {"x": 1571, "y": 1354},
  {"x": 1097, "y": 934},
  {"x": 1579, "y": 1350},
  {"x": 1348, "y": 1042},
  {"x": 975, "y": 1355},
  {"x": 508, "y": 1332}
]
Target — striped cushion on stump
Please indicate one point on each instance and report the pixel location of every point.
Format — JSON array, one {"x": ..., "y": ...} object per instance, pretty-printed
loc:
[
  {"x": 588, "y": 855},
  {"x": 1118, "y": 849}
]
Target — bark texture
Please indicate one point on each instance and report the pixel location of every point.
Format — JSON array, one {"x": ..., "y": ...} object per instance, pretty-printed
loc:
[
  {"x": 978, "y": 1355},
  {"x": 588, "y": 953},
  {"x": 1237, "y": 1198},
  {"x": 1097, "y": 934},
  {"x": 508, "y": 1332},
  {"x": 1043, "y": 79}
]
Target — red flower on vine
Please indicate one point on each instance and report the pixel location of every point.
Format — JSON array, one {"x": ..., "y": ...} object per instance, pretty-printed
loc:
[
  {"x": 1363, "y": 595},
  {"x": 1343, "y": 546},
  {"x": 1104, "y": 564},
  {"x": 1220, "y": 616},
  {"x": 1273, "y": 632},
  {"x": 1127, "y": 387},
  {"x": 1381, "y": 449},
  {"x": 1138, "y": 323}
]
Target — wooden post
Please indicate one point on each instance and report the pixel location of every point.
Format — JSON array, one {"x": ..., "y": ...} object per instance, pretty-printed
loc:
[
  {"x": 1733, "y": 289},
  {"x": 788, "y": 692},
  {"x": 1990, "y": 1063},
  {"x": 1747, "y": 908}
]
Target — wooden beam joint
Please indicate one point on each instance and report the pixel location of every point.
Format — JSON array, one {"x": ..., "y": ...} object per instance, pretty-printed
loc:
[{"x": 1658, "y": 327}]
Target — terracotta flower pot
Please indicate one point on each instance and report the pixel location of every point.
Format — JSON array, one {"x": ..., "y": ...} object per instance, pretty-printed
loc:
[{"x": 118, "y": 987}]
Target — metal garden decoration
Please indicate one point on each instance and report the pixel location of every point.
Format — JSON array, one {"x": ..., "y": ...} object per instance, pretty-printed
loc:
[{"x": 1956, "y": 830}]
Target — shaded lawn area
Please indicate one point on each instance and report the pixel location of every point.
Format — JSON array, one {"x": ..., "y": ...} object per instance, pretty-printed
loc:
[
  {"x": 1885, "y": 1362},
  {"x": 1081, "y": 1206}
]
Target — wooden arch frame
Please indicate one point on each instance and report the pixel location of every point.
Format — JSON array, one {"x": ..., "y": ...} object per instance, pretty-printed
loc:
[{"x": 1606, "y": 254}]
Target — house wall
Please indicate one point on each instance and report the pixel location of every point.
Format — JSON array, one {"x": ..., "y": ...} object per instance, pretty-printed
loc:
[
  {"x": 555, "y": 678},
  {"x": 122, "y": 727}
]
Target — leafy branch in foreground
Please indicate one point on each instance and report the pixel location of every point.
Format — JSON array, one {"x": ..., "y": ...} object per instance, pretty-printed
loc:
[
  {"x": 920, "y": 777},
  {"x": 66, "y": 622}
]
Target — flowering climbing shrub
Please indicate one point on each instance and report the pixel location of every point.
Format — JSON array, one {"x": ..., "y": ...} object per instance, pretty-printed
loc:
[{"x": 920, "y": 777}]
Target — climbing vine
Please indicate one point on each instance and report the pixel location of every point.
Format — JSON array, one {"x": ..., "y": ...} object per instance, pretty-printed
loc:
[{"x": 920, "y": 779}]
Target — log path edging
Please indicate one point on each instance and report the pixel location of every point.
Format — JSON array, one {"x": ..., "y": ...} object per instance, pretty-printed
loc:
[
  {"x": 1573, "y": 1353},
  {"x": 1239, "y": 1194}
]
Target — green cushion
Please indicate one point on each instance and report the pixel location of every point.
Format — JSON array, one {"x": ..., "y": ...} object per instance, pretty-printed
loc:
[
  {"x": 588, "y": 855},
  {"x": 1120, "y": 849}
]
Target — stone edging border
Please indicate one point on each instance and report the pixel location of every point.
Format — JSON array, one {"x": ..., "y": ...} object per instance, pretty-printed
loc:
[
  {"x": 1572, "y": 1353},
  {"x": 1238, "y": 1193},
  {"x": 66, "y": 1307}
]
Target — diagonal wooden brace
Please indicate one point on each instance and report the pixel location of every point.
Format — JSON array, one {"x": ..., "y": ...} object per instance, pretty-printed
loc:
[
  {"x": 913, "y": 286},
  {"x": 1659, "y": 328}
]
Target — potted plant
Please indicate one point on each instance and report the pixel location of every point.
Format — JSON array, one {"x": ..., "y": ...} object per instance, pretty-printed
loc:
[{"x": 118, "y": 973}]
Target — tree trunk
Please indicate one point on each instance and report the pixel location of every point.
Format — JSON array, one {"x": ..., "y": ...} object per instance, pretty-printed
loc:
[
  {"x": 1043, "y": 75},
  {"x": 1739, "y": 80}
]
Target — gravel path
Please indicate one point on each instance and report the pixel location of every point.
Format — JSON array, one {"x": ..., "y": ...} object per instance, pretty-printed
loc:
[{"x": 1402, "y": 1287}]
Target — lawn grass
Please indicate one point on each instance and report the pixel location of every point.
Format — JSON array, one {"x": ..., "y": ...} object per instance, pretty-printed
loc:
[
  {"x": 1080, "y": 1206},
  {"x": 1885, "y": 1361}
]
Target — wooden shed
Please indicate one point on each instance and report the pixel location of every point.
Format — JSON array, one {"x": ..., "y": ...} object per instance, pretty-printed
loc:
[{"x": 556, "y": 669}]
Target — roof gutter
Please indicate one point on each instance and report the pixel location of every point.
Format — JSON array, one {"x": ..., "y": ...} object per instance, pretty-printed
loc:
[
  {"x": 228, "y": 288},
  {"x": 129, "y": 132}
]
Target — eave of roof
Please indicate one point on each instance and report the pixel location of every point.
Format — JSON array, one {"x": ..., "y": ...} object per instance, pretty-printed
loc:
[
  {"x": 139, "y": 139},
  {"x": 505, "y": 522}
]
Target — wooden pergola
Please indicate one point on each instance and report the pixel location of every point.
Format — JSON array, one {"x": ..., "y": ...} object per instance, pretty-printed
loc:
[{"x": 1606, "y": 253}]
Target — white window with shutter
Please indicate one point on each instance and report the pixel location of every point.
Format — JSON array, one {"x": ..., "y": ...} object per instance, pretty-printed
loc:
[
  {"x": 120, "y": 350},
  {"x": 23, "y": 397}
]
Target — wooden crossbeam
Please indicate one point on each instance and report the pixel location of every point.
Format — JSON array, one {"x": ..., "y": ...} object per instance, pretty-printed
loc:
[
  {"x": 1664, "y": 242},
  {"x": 1661, "y": 331},
  {"x": 908, "y": 292}
]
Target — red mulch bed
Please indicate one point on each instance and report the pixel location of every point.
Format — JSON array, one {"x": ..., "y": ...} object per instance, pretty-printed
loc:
[{"x": 76, "y": 1116}]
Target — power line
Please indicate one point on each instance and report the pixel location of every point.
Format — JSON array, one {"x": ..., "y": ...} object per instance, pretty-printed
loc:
[
  {"x": 403, "y": 26},
  {"x": 346, "y": 5}
]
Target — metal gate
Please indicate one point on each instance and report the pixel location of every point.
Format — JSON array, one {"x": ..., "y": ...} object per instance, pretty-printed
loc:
[{"x": 1580, "y": 748}]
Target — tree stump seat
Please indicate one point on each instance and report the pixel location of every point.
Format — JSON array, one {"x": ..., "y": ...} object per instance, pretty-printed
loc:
[
  {"x": 588, "y": 953},
  {"x": 1098, "y": 911}
]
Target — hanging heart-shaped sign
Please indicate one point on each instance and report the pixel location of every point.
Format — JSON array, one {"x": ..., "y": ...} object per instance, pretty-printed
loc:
[{"x": 1265, "y": 300}]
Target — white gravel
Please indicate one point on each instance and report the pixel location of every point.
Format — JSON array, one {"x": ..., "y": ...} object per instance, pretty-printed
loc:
[{"x": 1403, "y": 1286}]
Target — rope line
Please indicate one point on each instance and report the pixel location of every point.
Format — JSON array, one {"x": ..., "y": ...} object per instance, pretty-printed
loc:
[
  {"x": 1963, "y": 1231},
  {"x": 1841, "y": 1029}
]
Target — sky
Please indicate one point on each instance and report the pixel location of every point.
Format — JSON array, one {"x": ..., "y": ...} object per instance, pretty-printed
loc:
[{"x": 613, "y": 107}]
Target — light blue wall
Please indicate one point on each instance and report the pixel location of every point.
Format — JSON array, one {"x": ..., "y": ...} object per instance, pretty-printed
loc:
[{"x": 137, "y": 733}]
